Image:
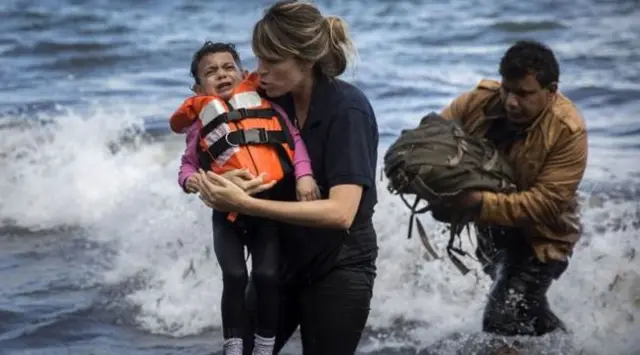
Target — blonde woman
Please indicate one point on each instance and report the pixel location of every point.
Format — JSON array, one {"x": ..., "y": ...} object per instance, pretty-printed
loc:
[{"x": 328, "y": 246}]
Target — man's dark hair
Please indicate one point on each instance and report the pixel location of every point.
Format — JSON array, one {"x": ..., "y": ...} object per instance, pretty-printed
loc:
[
  {"x": 213, "y": 47},
  {"x": 530, "y": 57}
]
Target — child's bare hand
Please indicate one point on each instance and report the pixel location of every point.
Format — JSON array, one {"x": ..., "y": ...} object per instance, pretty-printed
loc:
[
  {"x": 193, "y": 184},
  {"x": 307, "y": 189}
]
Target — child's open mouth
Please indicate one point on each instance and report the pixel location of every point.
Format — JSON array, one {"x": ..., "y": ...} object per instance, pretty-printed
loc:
[{"x": 224, "y": 86}]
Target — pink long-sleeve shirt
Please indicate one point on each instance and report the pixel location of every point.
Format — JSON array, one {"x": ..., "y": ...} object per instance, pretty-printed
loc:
[{"x": 189, "y": 164}]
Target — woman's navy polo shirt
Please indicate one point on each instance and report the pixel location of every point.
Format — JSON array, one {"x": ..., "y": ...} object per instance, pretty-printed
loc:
[{"x": 341, "y": 135}]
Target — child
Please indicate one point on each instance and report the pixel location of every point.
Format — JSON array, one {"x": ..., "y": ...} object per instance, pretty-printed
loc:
[{"x": 214, "y": 141}]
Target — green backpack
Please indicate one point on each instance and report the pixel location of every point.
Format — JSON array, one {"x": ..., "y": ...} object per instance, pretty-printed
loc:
[{"x": 436, "y": 161}]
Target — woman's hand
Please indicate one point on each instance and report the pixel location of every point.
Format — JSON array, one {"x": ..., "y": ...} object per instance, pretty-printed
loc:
[
  {"x": 229, "y": 192},
  {"x": 244, "y": 179}
]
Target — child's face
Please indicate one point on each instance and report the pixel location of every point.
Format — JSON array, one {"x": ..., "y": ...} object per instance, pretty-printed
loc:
[{"x": 218, "y": 74}]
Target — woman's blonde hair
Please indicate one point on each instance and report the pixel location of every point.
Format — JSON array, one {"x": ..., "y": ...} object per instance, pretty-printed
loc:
[{"x": 297, "y": 29}]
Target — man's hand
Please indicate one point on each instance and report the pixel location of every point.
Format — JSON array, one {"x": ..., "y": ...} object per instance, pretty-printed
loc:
[
  {"x": 465, "y": 201},
  {"x": 470, "y": 200}
]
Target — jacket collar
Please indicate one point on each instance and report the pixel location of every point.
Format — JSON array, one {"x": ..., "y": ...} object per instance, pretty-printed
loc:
[{"x": 494, "y": 110}]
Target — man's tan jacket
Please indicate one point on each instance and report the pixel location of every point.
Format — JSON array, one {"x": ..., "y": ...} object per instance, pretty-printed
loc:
[{"x": 549, "y": 165}]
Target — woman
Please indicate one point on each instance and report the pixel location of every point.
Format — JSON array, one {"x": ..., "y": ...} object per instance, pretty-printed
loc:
[{"x": 329, "y": 247}]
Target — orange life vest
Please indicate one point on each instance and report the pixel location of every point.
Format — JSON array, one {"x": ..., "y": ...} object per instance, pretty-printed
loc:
[{"x": 245, "y": 132}]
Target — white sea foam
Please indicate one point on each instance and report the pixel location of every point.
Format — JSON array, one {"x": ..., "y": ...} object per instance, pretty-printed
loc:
[{"x": 131, "y": 201}]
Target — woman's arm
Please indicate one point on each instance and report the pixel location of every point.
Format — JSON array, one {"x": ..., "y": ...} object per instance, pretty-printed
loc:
[
  {"x": 338, "y": 211},
  {"x": 349, "y": 166}
]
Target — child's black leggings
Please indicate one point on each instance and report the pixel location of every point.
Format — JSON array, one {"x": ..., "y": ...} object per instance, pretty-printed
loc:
[{"x": 261, "y": 238}]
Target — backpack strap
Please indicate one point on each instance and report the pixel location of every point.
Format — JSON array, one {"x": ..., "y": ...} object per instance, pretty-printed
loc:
[{"x": 457, "y": 225}]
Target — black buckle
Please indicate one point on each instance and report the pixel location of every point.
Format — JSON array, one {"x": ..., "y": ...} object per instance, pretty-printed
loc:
[
  {"x": 236, "y": 115},
  {"x": 249, "y": 136},
  {"x": 255, "y": 136}
]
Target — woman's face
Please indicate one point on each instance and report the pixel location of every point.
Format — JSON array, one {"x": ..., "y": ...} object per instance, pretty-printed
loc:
[{"x": 279, "y": 77}]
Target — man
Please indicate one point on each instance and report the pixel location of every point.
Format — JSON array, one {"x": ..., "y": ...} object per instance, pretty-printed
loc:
[{"x": 526, "y": 238}]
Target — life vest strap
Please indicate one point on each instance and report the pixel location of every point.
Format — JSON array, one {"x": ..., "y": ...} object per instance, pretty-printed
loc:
[
  {"x": 247, "y": 137},
  {"x": 237, "y": 115}
]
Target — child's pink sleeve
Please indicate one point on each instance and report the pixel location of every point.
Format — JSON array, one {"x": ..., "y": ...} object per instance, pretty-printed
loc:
[
  {"x": 301, "y": 161},
  {"x": 189, "y": 161}
]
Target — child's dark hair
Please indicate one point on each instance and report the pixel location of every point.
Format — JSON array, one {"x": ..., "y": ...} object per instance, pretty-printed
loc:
[{"x": 213, "y": 47}]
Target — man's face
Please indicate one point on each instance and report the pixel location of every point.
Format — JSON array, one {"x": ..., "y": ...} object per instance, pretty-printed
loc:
[{"x": 524, "y": 99}]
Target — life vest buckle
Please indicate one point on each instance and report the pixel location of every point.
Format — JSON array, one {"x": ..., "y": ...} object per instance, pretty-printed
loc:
[
  {"x": 249, "y": 136},
  {"x": 236, "y": 115},
  {"x": 226, "y": 138},
  {"x": 255, "y": 136}
]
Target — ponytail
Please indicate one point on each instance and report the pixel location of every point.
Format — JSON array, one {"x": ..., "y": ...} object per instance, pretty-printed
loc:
[{"x": 340, "y": 47}]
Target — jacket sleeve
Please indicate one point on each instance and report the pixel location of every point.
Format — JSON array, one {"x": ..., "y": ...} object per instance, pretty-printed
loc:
[
  {"x": 462, "y": 107},
  {"x": 555, "y": 187},
  {"x": 457, "y": 109}
]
